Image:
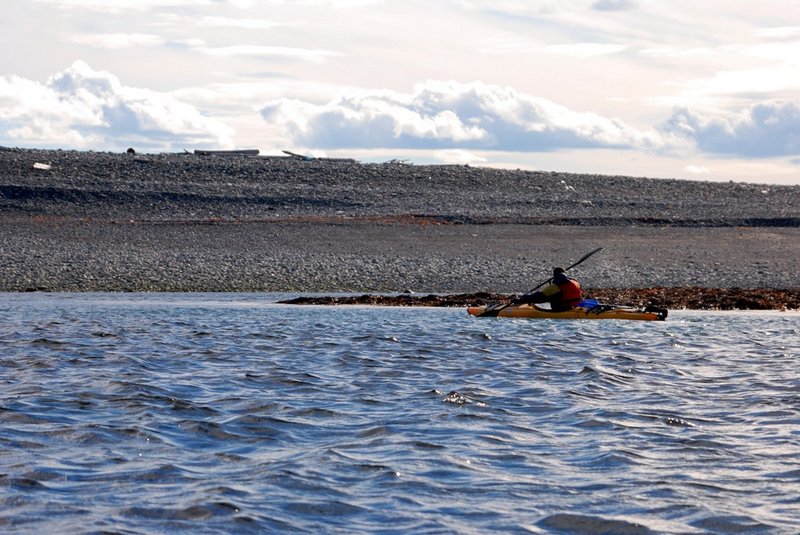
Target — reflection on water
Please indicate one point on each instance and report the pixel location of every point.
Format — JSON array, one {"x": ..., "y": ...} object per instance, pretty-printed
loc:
[{"x": 202, "y": 412}]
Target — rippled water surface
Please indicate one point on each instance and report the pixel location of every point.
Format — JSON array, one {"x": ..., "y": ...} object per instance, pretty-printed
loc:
[{"x": 227, "y": 413}]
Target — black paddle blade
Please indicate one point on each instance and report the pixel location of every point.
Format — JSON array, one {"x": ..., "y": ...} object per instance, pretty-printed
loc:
[
  {"x": 587, "y": 255},
  {"x": 661, "y": 312}
]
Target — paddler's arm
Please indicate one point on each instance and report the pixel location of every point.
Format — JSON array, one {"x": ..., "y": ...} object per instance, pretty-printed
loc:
[{"x": 542, "y": 296}]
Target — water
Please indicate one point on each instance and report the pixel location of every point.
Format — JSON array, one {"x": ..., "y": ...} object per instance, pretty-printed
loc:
[{"x": 226, "y": 413}]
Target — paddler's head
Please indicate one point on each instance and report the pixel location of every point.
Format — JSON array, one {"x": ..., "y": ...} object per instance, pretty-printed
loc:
[{"x": 559, "y": 274}]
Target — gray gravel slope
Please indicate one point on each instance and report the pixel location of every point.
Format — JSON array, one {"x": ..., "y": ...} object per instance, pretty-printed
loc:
[{"x": 101, "y": 221}]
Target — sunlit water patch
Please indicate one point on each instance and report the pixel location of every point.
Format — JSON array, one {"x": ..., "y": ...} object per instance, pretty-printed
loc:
[{"x": 222, "y": 413}]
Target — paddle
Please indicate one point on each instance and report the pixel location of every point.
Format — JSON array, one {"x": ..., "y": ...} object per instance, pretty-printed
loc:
[{"x": 494, "y": 310}]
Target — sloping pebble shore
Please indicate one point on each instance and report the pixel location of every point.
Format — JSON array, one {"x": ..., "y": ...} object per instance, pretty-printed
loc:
[
  {"x": 89, "y": 221},
  {"x": 189, "y": 187}
]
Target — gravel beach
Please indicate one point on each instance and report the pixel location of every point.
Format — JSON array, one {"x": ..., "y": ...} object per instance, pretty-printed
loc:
[{"x": 90, "y": 221}]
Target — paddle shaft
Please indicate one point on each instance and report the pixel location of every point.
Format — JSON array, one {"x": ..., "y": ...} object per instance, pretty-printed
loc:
[{"x": 586, "y": 256}]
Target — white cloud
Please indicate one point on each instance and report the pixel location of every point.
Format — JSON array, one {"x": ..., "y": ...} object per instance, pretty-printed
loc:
[
  {"x": 277, "y": 52},
  {"x": 787, "y": 53},
  {"x": 767, "y": 129},
  {"x": 674, "y": 52},
  {"x": 336, "y": 4},
  {"x": 451, "y": 115},
  {"x": 81, "y": 107},
  {"x": 615, "y": 5},
  {"x": 778, "y": 32},
  {"x": 114, "y": 41},
  {"x": 731, "y": 74},
  {"x": 182, "y": 21},
  {"x": 764, "y": 80},
  {"x": 119, "y": 6},
  {"x": 229, "y": 22},
  {"x": 696, "y": 169},
  {"x": 585, "y": 50},
  {"x": 458, "y": 156}
]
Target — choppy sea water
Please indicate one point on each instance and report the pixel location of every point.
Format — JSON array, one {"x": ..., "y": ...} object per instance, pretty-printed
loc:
[{"x": 209, "y": 413}]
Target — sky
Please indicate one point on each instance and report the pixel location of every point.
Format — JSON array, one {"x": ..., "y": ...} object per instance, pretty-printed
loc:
[{"x": 658, "y": 88}]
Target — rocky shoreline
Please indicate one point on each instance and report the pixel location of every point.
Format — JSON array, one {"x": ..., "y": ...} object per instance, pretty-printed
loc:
[{"x": 93, "y": 221}]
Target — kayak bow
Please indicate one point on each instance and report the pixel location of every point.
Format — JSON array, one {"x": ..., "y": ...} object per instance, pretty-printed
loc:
[{"x": 588, "y": 310}]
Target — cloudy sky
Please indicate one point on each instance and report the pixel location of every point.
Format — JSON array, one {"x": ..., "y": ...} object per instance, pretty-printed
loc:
[{"x": 662, "y": 88}]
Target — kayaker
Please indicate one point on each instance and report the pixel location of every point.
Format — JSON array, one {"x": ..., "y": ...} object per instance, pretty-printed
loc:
[{"x": 563, "y": 292}]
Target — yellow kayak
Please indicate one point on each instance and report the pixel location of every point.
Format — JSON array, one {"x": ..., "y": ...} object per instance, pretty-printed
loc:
[{"x": 587, "y": 311}]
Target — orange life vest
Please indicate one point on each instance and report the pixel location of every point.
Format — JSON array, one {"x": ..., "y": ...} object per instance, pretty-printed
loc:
[{"x": 570, "y": 293}]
